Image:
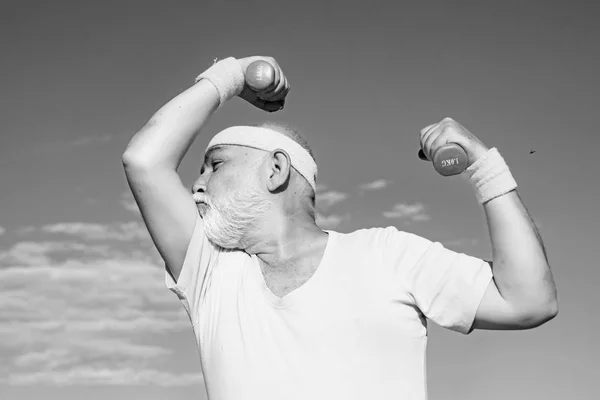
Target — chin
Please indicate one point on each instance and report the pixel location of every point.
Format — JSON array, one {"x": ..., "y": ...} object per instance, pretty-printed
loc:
[
  {"x": 230, "y": 241},
  {"x": 226, "y": 245}
]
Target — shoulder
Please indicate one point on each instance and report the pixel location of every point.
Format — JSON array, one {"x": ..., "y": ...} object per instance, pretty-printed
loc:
[{"x": 388, "y": 237}]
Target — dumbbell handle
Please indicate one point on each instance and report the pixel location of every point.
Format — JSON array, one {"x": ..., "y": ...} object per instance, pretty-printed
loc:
[
  {"x": 260, "y": 75},
  {"x": 450, "y": 159}
]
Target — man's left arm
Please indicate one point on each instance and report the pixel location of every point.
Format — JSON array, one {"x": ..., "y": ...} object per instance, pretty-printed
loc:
[{"x": 522, "y": 293}]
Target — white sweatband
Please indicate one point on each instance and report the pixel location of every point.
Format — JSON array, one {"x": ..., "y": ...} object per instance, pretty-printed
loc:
[
  {"x": 490, "y": 176},
  {"x": 227, "y": 76},
  {"x": 269, "y": 140}
]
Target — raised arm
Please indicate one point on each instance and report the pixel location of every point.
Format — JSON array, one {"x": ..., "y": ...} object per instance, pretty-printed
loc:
[
  {"x": 154, "y": 153},
  {"x": 522, "y": 294}
]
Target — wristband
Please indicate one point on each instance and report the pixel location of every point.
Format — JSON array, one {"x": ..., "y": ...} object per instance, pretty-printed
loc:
[
  {"x": 227, "y": 76},
  {"x": 490, "y": 176}
]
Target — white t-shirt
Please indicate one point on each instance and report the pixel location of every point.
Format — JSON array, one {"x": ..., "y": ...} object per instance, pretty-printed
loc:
[{"x": 355, "y": 330}]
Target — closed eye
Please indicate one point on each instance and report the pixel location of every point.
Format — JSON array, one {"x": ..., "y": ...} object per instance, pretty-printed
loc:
[{"x": 216, "y": 164}]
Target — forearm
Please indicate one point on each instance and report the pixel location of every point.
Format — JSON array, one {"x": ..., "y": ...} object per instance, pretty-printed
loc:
[
  {"x": 167, "y": 136},
  {"x": 521, "y": 270}
]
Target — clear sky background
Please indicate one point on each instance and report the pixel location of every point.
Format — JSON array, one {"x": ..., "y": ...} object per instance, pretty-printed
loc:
[{"x": 84, "y": 312}]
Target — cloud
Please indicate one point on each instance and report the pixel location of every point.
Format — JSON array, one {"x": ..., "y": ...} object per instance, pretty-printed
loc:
[
  {"x": 126, "y": 231},
  {"x": 329, "y": 198},
  {"x": 325, "y": 199},
  {"x": 330, "y": 221},
  {"x": 36, "y": 253},
  {"x": 74, "y": 312},
  {"x": 409, "y": 212},
  {"x": 128, "y": 202},
  {"x": 320, "y": 187},
  {"x": 2, "y": 231},
  {"x": 375, "y": 185},
  {"x": 106, "y": 376},
  {"x": 461, "y": 242},
  {"x": 90, "y": 140}
]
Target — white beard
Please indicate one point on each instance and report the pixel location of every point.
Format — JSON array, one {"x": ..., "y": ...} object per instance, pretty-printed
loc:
[{"x": 229, "y": 217}]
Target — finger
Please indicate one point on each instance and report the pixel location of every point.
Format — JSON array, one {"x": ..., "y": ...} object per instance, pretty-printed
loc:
[
  {"x": 426, "y": 132},
  {"x": 438, "y": 142},
  {"x": 265, "y": 93},
  {"x": 282, "y": 91},
  {"x": 431, "y": 129},
  {"x": 274, "y": 93},
  {"x": 432, "y": 135},
  {"x": 428, "y": 127},
  {"x": 278, "y": 72}
]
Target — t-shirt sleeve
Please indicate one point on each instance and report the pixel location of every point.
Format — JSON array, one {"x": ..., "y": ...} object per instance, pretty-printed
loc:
[
  {"x": 200, "y": 257},
  {"x": 447, "y": 286}
]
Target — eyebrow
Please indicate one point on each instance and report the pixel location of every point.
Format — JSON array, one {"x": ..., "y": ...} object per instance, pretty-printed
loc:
[{"x": 210, "y": 153}]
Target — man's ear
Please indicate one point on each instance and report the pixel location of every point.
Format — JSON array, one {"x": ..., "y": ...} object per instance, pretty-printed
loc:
[{"x": 279, "y": 171}]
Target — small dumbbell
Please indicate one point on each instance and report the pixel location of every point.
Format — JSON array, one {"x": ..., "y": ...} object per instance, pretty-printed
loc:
[
  {"x": 260, "y": 75},
  {"x": 450, "y": 159}
]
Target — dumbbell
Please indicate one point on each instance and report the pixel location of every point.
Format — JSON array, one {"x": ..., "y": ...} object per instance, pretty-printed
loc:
[
  {"x": 449, "y": 159},
  {"x": 260, "y": 75}
]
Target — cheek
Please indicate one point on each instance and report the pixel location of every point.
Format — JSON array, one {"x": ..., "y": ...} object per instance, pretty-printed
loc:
[{"x": 221, "y": 182}]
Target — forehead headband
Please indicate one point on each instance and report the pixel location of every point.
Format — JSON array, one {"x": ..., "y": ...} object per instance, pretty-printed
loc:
[{"x": 269, "y": 140}]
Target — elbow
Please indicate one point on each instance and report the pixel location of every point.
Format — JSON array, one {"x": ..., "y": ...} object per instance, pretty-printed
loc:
[
  {"x": 129, "y": 159},
  {"x": 539, "y": 315},
  {"x": 134, "y": 160},
  {"x": 549, "y": 308},
  {"x": 547, "y": 313},
  {"x": 552, "y": 310}
]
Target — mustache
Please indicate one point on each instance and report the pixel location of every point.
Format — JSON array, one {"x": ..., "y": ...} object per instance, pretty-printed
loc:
[{"x": 201, "y": 198}]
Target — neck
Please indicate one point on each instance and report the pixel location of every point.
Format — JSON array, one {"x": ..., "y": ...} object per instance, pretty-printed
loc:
[{"x": 282, "y": 241}]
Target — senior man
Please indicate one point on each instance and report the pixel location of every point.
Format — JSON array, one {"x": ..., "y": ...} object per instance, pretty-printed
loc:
[{"x": 282, "y": 309}]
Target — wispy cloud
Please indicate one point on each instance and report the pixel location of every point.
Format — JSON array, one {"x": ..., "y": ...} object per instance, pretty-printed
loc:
[
  {"x": 375, "y": 185},
  {"x": 126, "y": 231},
  {"x": 122, "y": 231},
  {"x": 461, "y": 242},
  {"x": 330, "y": 221},
  {"x": 408, "y": 212},
  {"x": 33, "y": 253},
  {"x": 128, "y": 202},
  {"x": 329, "y": 198},
  {"x": 2, "y": 231},
  {"x": 90, "y": 140},
  {"x": 325, "y": 199},
  {"x": 75, "y": 312},
  {"x": 106, "y": 376},
  {"x": 321, "y": 186}
]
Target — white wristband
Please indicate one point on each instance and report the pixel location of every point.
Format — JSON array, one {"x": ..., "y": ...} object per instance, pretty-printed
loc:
[
  {"x": 490, "y": 176},
  {"x": 227, "y": 76}
]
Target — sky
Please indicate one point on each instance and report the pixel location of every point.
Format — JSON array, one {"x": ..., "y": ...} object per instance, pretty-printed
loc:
[{"x": 83, "y": 306}]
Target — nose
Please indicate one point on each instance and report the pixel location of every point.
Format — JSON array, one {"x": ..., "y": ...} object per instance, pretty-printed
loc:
[{"x": 199, "y": 186}]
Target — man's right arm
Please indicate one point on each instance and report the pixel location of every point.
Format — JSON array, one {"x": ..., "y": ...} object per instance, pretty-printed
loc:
[
  {"x": 151, "y": 160},
  {"x": 154, "y": 153}
]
